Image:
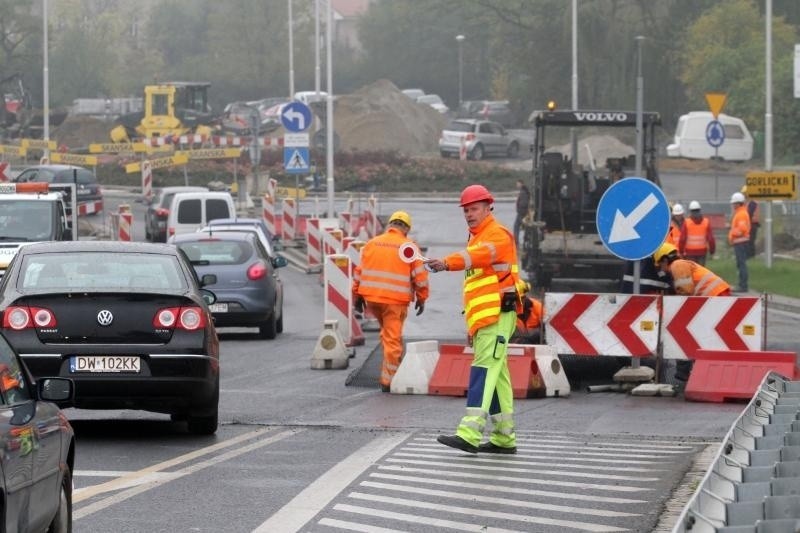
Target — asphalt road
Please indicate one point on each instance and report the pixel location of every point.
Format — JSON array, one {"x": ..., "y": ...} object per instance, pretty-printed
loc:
[{"x": 298, "y": 450}]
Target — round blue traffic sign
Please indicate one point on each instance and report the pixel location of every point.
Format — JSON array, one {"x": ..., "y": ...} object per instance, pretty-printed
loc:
[
  {"x": 633, "y": 218},
  {"x": 296, "y": 117},
  {"x": 715, "y": 133}
]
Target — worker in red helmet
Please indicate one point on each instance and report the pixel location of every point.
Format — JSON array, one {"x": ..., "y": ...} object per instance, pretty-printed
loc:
[{"x": 491, "y": 303}]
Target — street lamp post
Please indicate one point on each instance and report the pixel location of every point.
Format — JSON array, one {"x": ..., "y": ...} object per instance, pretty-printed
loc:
[
  {"x": 46, "y": 81},
  {"x": 460, "y": 38}
]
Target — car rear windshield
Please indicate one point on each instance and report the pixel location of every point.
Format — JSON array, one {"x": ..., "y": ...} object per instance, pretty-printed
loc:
[
  {"x": 80, "y": 176},
  {"x": 217, "y": 252},
  {"x": 460, "y": 126},
  {"x": 101, "y": 270},
  {"x": 26, "y": 220}
]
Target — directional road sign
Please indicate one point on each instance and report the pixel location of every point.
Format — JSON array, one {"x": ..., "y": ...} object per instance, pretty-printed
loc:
[
  {"x": 295, "y": 159},
  {"x": 715, "y": 134},
  {"x": 633, "y": 218},
  {"x": 296, "y": 116}
]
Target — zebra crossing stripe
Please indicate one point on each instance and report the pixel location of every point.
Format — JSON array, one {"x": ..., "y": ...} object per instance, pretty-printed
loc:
[
  {"x": 505, "y": 462},
  {"x": 414, "y": 519}
]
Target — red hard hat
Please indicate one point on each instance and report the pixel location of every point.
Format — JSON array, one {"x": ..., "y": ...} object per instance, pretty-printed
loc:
[{"x": 475, "y": 193}]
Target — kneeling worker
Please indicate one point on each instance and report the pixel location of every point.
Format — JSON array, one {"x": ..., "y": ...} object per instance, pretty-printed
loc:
[{"x": 529, "y": 320}]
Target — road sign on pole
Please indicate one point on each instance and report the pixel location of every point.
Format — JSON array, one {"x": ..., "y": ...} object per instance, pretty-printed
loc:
[
  {"x": 296, "y": 117},
  {"x": 716, "y": 102},
  {"x": 715, "y": 134},
  {"x": 633, "y": 218}
]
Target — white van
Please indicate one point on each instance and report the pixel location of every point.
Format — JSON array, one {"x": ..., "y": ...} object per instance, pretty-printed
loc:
[
  {"x": 690, "y": 138},
  {"x": 191, "y": 211}
]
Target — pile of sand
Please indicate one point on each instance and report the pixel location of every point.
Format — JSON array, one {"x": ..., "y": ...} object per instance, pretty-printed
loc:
[
  {"x": 79, "y": 132},
  {"x": 380, "y": 117},
  {"x": 601, "y": 147}
]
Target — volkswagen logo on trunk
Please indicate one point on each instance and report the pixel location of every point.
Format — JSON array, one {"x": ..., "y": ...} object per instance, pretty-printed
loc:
[{"x": 105, "y": 318}]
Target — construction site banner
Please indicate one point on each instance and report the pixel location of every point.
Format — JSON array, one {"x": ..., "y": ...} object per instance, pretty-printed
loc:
[
  {"x": 115, "y": 148},
  {"x": 290, "y": 192},
  {"x": 38, "y": 144},
  {"x": 10, "y": 149},
  {"x": 159, "y": 162},
  {"x": 73, "y": 159},
  {"x": 212, "y": 153}
]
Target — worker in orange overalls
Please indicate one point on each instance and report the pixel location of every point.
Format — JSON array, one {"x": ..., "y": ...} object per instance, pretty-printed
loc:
[
  {"x": 755, "y": 221},
  {"x": 529, "y": 321},
  {"x": 739, "y": 237},
  {"x": 697, "y": 239},
  {"x": 676, "y": 224},
  {"x": 388, "y": 284},
  {"x": 491, "y": 303}
]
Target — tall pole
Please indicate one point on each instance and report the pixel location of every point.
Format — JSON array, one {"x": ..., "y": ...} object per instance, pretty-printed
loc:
[
  {"x": 316, "y": 47},
  {"x": 639, "y": 107},
  {"x": 460, "y": 39},
  {"x": 768, "y": 133},
  {"x": 291, "y": 51},
  {"x": 329, "y": 108},
  {"x": 46, "y": 80},
  {"x": 573, "y": 137}
]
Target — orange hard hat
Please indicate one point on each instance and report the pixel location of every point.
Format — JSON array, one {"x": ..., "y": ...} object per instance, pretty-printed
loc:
[{"x": 475, "y": 193}]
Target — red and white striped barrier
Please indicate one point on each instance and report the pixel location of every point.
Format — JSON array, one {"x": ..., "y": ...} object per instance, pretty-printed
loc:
[
  {"x": 216, "y": 140},
  {"x": 268, "y": 213},
  {"x": 332, "y": 241},
  {"x": 602, "y": 324},
  {"x": 462, "y": 149},
  {"x": 313, "y": 245},
  {"x": 339, "y": 299},
  {"x": 147, "y": 180},
  {"x": 692, "y": 323},
  {"x": 90, "y": 208},
  {"x": 346, "y": 223},
  {"x": 289, "y": 219},
  {"x": 352, "y": 248},
  {"x": 125, "y": 225}
]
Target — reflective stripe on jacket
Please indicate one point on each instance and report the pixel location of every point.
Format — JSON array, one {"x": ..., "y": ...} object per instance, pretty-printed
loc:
[
  {"x": 697, "y": 237},
  {"x": 490, "y": 265},
  {"x": 691, "y": 279},
  {"x": 740, "y": 226},
  {"x": 383, "y": 277}
]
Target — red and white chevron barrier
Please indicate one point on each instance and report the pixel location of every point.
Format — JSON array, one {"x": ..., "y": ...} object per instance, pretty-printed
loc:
[
  {"x": 602, "y": 324},
  {"x": 125, "y": 226},
  {"x": 692, "y": 323},
  {"x": 313, "y": 245},
  {"x": 339, "y": 299},
  {"x": 332, "y": 241},
  {"x": 90, "y": 208},
  {"x": 147, "y": 180},
  {"x": 289, "y": 219},
  {"x": 216, "y": 140}
]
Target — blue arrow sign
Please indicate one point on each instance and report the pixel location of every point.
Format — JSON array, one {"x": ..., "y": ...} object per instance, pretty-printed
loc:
[
  {"x": 296, "y": 117},
  {"x": 296, "y": 159},
  {"x": 715, "y": 134},
  {"x": 633, "y": 218}
]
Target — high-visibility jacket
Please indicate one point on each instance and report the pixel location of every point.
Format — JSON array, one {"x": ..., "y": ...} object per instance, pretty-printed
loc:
[
  {"x": 697, "y": 237},
  {"x": 385, "y": 278},
  {"x": 753, "y": 211},
  {"x": 531, "y": 317},
  {"x": 674, "y": 234},
  {"x": 491, "y": 271},
  {"x": 740, "y": 226},
  {"x": 691, "y": 279}
]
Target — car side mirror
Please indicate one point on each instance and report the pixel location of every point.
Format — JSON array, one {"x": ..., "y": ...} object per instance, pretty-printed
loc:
[
  {"x": 208, "y": 297},
  {"x": 279, "y": 261},
  {"x": 55, "y": 389},
  {"x": 208, "y": 279}
]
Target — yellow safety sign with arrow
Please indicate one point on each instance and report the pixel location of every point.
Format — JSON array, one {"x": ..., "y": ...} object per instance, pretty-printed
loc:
[{"x": 159, "y": 162}]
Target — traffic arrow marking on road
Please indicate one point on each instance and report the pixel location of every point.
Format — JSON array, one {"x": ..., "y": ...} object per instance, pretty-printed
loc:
[
  {"x": 727, "y": 326},
  {"x": 624, "y": 227},
  {"x": 564, "y": 323},
  {"x": 679, "y": 325},
  {"x": 621, "y": 324}
]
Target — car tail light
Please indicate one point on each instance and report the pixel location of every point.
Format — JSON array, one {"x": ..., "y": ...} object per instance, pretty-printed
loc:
[
  {"x": 188, "y": 318},
  {"x": 256, "y": 271},
  {"x": 21, "y": 317},
  {"x": 161, "y": 212}
]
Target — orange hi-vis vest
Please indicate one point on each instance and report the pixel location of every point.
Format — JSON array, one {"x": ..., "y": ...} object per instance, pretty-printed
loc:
[
  {"x": 383, "y": 277},
  {"x": 534, "y": 317},
  {"x": 691, "y": 279},
  {"x": 740, "y": 226},
  {"x": 674, "y": 234},
  {"x": 695, "y": 239},
  {"x": 491, "y": 270}
]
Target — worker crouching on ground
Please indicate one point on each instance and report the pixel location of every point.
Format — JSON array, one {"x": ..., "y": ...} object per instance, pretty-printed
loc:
[
  {"x": 491, "y": 304},
  {"x": 529, "y": 321},
  {"x": 689, "y": 279},
  {"x": 388, "y": 284}
]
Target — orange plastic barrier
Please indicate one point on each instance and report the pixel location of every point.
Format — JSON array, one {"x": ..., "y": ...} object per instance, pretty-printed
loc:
[
  {"x": 719, "y": 375},
  {"x": 451, "y": 375}
]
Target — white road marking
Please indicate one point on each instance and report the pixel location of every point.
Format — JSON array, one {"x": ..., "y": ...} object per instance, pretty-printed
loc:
[
  {"x": 100, "y": 473},
  {"x": 609, "y": 448},
  {"x": 584, "y": 526},
  {"x": 414, "y": 519},
  {"x": 505, "y": 461},
  {"x": 506, "y": 489},
  {"x": 353, "y": 526},
  {"x": 130, "y": 481},
  {"x": 303, "y": 507},
  {"x": 567, "y": 456},
  {"x": 143, "y": 487}
]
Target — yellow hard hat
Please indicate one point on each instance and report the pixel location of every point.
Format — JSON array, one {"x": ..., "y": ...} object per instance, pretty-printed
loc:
[
  {"x": 663, "y": 251},
  {"x": 401, "y": 216}
]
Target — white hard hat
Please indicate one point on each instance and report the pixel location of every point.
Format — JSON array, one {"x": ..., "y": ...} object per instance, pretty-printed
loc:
[
  {"x": 677, "y": 209},
  {"x": 694, "y": 205},
  {"x": 737, "y": 198}
]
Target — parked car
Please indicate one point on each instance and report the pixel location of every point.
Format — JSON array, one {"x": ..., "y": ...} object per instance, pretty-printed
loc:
[
  {"x": 87, "y": 190},
  {"x": 38, "y": 456},
  {"x": 480, "y": 138},
  {"x": 690, "y": 138},
  {"x": 190, "y": 211},
  {"x": 494, "y": 110},
  {"x": 128, "y": 322},
  {"x": 309, "y": 97},
  {"x": 435, "y": 102},
  {"x": 248, "y": 289},
  {"x": 414, "y": 94},
  {"x": 157, "y": 213},
  {"x": 273, "y": 241}
]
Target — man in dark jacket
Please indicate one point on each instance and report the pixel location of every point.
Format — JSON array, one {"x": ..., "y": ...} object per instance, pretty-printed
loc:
[{"x": 523, "y": 202}]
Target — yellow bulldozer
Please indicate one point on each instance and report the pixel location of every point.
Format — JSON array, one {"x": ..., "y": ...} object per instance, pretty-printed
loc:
[{"x": 170, "y": 109}]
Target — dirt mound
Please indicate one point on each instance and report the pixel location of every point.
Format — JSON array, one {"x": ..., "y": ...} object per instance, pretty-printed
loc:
[
  {"x": 380, "y": 117},
  {"x": 601, "y": 146},
  {"x": 79, "y": 132}
]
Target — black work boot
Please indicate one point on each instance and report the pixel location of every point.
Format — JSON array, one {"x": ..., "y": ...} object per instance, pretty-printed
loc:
[
  {"x": 490, "y": 447},
  {"x": 454, "y": 441}
]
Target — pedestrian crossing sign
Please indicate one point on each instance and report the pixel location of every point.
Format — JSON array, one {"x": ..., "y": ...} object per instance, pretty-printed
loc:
[{"x": 296, "y": 159}]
